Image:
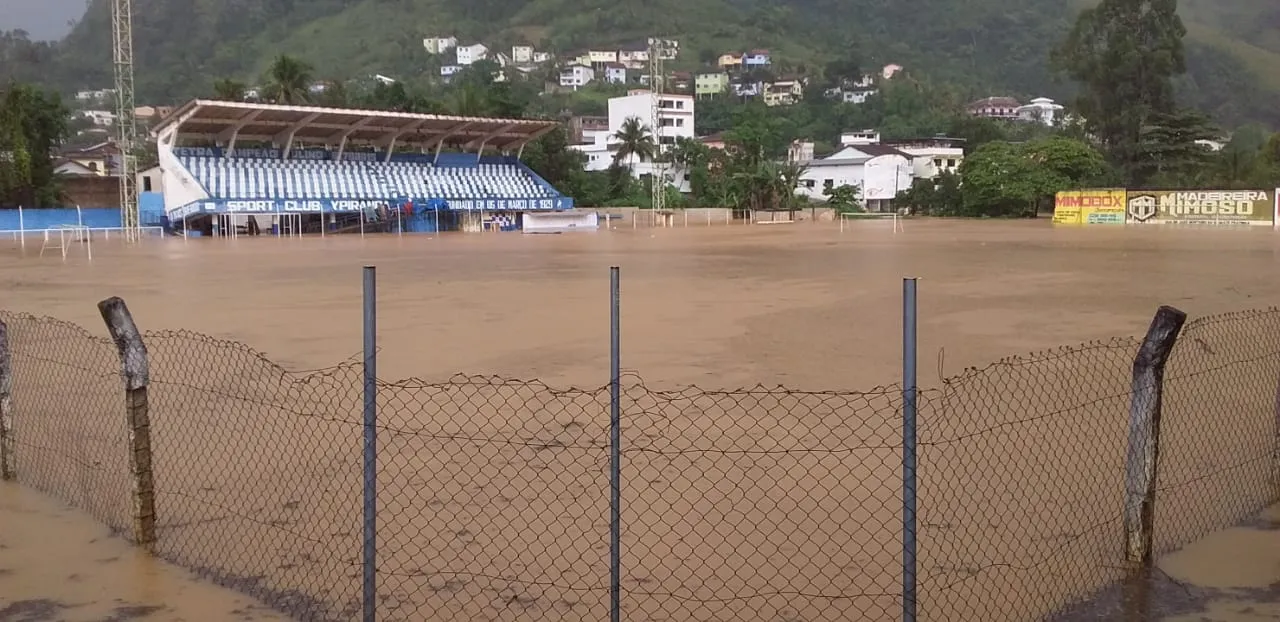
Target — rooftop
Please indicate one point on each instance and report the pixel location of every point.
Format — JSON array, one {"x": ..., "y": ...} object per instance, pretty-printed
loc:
[{"x": 211, "y": 120}]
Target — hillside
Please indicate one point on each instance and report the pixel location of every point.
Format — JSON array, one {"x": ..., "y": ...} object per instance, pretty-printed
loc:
[{"x": 982, "y": 46}]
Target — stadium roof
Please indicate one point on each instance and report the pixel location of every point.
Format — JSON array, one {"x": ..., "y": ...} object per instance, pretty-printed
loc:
[{"x": 224, "y": 121}]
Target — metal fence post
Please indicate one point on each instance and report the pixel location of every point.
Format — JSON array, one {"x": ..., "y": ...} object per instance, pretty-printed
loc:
[
  {"x": 370, "y": 542},
  {"x": 909, "y": 389},
  {"x": 136, "y": 372},
  {"x": 1143, "y": 456},
  {"x": 6, "y": 416},
  {"x": 615, "y": 447}
]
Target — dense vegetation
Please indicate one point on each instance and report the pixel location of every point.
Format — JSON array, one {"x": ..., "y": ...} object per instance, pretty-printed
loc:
[
  {"x": 32, "y": 125},
  {"x": 980, "y": 47}
]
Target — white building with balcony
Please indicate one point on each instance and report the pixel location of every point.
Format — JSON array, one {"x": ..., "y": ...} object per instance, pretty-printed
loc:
[
  {"x": 933, "y": 156},
  {"x": 675, "y": 121}
]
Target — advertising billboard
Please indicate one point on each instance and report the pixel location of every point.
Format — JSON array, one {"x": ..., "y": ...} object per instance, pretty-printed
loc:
[
  {"x": 1104, "y": 206},
  {"x": 1201, "y": 207}
]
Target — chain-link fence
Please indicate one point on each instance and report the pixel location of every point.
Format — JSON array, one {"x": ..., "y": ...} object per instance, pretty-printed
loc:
[{"x": 494, "y": 494}]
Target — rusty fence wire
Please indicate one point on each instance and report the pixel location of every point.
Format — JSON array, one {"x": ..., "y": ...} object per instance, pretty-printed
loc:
[{"x": 761, "y": 503}]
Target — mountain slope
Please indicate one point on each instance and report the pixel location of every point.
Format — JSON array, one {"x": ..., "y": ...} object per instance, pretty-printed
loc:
[{"x": 983, "y": 46}]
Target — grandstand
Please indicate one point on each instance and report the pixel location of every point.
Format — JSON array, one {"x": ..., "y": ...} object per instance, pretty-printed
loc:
[{"x": 227, "y": 167}]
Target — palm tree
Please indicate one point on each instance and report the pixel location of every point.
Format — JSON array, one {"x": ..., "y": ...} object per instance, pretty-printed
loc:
[
  {"x": 636, "y": 141},
  {"x": 288, "y": 81},
  {"x": 789, "y": 175},
  {"x": 228, "y": 89}
]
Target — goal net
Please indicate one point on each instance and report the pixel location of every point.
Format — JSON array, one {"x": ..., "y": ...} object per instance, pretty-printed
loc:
[
  {"x": 886, "y": 220},
  {"x": 66, "y": 239}
]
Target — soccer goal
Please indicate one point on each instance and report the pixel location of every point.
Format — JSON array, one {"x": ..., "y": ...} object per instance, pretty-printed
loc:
[
  {"x": 847, "y": 219},
  {"x": 63, "y": 238}
]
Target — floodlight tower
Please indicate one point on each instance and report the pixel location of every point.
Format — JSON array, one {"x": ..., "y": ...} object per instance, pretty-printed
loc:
[
  {"x": 126, "y": 122},
  {"x": 658, "y": 180}
]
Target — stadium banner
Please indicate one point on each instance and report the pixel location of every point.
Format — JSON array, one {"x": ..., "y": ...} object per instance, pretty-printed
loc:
[
  {"x": 1064, "y": 213},
  {"x": 340, "y": 206},
  {"x": 1201, "y": 207},
  {"x": 1100, "y": 206}
]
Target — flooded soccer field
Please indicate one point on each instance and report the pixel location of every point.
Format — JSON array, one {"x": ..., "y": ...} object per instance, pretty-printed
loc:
[{"x": 495, "y": 494}]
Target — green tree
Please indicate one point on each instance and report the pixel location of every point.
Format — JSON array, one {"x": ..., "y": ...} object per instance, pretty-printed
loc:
[
  {"x": 33, "y": 124},
  {"x": 635, "y": 142},
  {"x": 844, "y": 198},
  {"x": 288, "y": 81},
  {"x": 1171, "y": 152},
  {"x": 1125, "y": 55},
  {"x": 227, "y": 89},
  {"x": 1014, "y": 180}
]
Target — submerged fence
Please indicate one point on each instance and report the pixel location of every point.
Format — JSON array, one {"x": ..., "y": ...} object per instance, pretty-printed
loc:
[{"x": 1039, "y": 481}]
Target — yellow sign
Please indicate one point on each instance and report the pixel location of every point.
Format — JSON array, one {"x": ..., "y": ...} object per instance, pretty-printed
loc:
[{"x": 1090, "y": 207}]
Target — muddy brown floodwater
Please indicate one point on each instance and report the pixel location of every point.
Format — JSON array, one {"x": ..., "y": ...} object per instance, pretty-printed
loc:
[{"x": 736, "y": 504}]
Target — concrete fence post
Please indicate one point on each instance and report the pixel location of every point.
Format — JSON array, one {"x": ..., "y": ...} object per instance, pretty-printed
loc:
[
  {"x": 135, "y": 371},
  {"x": 1143, "y": 457},
  {"x": 6, "y": 414}
]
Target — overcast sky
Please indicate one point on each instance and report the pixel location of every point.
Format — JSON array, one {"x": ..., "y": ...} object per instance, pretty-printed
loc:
[{"x": 44, "y": 19}]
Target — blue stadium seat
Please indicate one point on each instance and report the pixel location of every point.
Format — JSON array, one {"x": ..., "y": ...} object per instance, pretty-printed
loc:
[{"x": 247, "y": 178}]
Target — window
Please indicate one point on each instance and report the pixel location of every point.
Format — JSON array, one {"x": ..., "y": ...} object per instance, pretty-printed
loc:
[
  {"x": 146, "y": 183},
  {"x": 666, "y": 140},
  {"x": 808, "y": 183},
  {"x": 679, "y": 122},
  {"x": 951, "y": 163},
  {"x": 937, "y": 162},
  {"x": 827, "y": 183}
]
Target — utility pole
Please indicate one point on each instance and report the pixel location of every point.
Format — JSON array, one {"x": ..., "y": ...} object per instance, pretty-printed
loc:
[
  {"x": 658, "y": 180},
  {"x": 126, "y": 122}
]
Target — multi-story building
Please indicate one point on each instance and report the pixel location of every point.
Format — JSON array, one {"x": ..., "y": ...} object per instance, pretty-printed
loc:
[
  {"x": 576, "y": 76},
  {"x": 995, "y": 108},
  {"x": 879, "y": 172},
  {"x": 634, "y": 55},
  {"x": 784, "y": 92},
  {"x": 615, "y": 73},
  {"x": 932, "y": 156},
  {"x": 729, "y": 61},
  {"x": 675, "y": 121},
  {"x": 756, "y": 58},
  {"x": 522, "y": 54},
  {"x": 710, "y": 83},
  {"x": 468, "y": 54},
  {"x": 602, "y": 57},
  {"x": 1040, "y": 110},
  {"x": 439, "y": 45}
]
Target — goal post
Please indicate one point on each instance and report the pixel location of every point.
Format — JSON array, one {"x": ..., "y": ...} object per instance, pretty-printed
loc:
[{"x": 848, "y": 218}]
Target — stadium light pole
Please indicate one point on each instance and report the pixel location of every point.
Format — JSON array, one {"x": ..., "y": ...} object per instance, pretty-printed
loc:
[{"x": 126, "y": 122}]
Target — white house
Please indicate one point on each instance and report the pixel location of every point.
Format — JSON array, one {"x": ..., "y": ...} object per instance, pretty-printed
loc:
[
  {"x": 541, "y": 57},
  {"x": 99, "y": 117},
  {"x": 931, "y": 157},
  {"x": 859, "y": 137},
  {"x": 98, "y": 95},
  {"x": 634, "y": 55},
  {"x": 439, "y": 45},
  {"x": 468, "y": 54},
  {"x": 675, "y": 121},
  {"x": 576, "y": 76},
  {"x": 878, "y": 171},
  {"x": 1040, "y": 109},
  {"x": 522, "y": 54},
  {"x": 615, "y": 73},
  {"x": 447, "y": 71},
  {"x": 601, "y": 57}
]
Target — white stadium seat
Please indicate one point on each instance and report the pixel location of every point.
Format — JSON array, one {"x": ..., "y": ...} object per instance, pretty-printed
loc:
[{"x": 248, "y": 178}]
